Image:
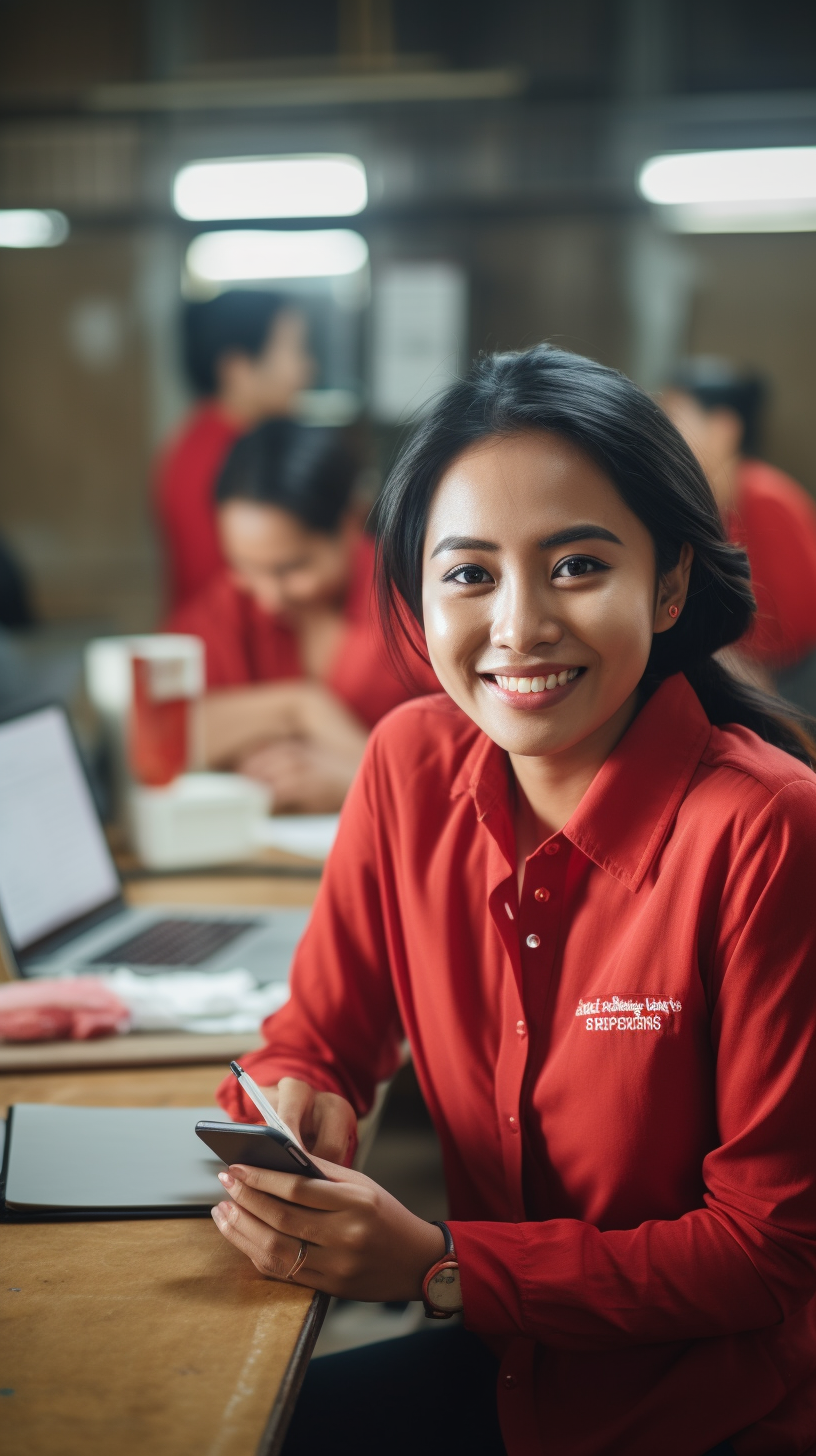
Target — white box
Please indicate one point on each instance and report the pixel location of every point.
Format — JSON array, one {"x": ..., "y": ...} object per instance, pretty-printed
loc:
[{"x": 199, "y": 819}]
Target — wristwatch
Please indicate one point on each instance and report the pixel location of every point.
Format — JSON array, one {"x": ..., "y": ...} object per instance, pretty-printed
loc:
[{"x": 441, "y": 1291}]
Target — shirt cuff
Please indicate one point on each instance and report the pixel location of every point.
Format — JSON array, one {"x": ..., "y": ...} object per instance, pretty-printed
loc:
[{"x": 492, "y": 1259}]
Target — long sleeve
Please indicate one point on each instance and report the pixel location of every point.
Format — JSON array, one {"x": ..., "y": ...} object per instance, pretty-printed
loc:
[
  {"x": 340, "y": 1030},
  {"x": 747, "y": 1258}
]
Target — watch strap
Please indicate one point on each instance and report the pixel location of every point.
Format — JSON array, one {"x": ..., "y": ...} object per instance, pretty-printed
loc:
[{"x": 450, "y": 1252}]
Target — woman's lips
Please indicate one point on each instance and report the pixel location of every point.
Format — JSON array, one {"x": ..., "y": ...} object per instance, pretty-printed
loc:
[{"x": 537, "y": 695}]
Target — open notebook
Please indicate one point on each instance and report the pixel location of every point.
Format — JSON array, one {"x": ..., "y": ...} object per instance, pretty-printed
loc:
[{"x": 69, "y": 1163}]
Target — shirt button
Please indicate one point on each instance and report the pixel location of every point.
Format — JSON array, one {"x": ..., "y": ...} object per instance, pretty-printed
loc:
[
  {"x": 542, "y": 894},
  {"x": 521, "y": 1028},
  {"x": 533, "y": 941},
  {"x": 510, "y": 1381},
  {"x": 552, "y": 848},
  {"x": 513, "y": 1124}
]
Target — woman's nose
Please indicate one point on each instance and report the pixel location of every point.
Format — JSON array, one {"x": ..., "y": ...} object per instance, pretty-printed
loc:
[
  {"x": 522, "y": 620},
  {"x": 267, "y": 594}
]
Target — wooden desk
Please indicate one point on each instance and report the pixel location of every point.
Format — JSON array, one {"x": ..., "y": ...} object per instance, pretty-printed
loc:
[
  {"x": 246, "y": 888},
  {"x": 151, "y": 1336}
]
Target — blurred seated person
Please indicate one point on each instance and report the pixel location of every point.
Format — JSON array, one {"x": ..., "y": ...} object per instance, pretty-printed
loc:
[
  {"x": 297, "y": 669},
  {"x": 246, "y": 356},
  {"x": 32, "y": 673},
  {"x": 15, "y": 602},
  {"x": 763, "y": 510}
]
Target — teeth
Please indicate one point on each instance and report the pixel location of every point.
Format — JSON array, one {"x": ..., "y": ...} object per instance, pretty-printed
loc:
[{"x": 538, "y": 684}]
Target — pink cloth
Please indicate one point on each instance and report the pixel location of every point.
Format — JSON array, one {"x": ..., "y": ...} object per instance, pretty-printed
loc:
[{"x": 74, "y": 1010}]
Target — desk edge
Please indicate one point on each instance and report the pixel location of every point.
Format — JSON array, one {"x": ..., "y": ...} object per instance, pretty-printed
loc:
[{"x": 271, "y": 1442}]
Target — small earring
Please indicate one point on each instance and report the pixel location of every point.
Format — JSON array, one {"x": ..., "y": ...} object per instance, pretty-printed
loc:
[{"x": 674, "y": 611}]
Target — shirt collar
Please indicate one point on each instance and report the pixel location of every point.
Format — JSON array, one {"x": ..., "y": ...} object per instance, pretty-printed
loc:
[{"x": 631, "y": 803}]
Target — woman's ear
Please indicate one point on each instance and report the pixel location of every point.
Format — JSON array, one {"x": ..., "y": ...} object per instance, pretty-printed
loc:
[{"x": 673, "y": 590}]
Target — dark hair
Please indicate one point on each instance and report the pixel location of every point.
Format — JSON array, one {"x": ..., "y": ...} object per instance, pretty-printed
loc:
[
  {"x": 306, "y": 471},
  {"x": 717, "y": 385},
  {"x": 655, "y": 473},
  {"x": 237, "y": 321}
]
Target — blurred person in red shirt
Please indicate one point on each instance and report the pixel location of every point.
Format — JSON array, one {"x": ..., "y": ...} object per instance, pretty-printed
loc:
[
  {"x": 717, "y": 410},
  {"x": 297, "y": 671},
  {"x": 246, "y": 355},
  {"x": 580, "y": 884}
]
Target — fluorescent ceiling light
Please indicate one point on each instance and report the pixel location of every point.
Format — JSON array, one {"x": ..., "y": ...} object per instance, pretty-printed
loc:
[
  {"x": 237, "y": 187},
  {"x": 765, "y": 174},
  {"x": 26, "y": 227},
  {"x": 235, "y": 257},
  {"x": 763, "y": 189}
]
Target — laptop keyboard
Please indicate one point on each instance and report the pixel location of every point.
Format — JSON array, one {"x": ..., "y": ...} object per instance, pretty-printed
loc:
[{"x": 174, "y": 943}]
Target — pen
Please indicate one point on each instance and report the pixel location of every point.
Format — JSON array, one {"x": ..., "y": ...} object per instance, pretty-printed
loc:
[{"x": 265, "y": 1108}]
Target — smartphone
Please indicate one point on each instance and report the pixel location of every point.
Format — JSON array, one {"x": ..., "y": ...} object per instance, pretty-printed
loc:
[{"x": 259, "y": 1147}]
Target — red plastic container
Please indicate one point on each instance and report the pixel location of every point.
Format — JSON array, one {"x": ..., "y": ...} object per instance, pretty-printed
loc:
[{"x": 159, "y": 723}]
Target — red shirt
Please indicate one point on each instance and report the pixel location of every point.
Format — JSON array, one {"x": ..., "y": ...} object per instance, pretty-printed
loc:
[
  {"x": 185, "y": 481},
  {"x": 245, "y": 645},
  {"x": 775, "y": 520},
  {"x": 620, "y": 1065}
]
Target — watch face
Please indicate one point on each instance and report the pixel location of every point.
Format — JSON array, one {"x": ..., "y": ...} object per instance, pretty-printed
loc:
[{"x": 444, "y": 1290}]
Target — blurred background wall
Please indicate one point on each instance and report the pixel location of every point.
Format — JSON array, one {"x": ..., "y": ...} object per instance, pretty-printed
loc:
[{"x": 501, "y": 141}]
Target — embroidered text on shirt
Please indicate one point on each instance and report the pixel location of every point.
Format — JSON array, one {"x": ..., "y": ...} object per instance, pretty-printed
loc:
[{"x": 607, "y": 1015}]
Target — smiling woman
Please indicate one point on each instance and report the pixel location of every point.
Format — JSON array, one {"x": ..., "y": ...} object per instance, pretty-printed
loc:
[
  {"x": 296, "y": 672},
  {"x": 605, "y": 424},
  {"x": 580, "y": 885}
]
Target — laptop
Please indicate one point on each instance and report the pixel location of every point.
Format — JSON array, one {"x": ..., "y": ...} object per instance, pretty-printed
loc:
[{"x": 61, "y": 906}]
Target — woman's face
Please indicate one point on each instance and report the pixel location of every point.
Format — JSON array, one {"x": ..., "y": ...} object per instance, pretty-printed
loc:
[
  {"x": 540, "y": 592},
  {"x": 281, "y": 563},
  {"x": 253, "y": 388},
  {"x": 285, "y": 366}
]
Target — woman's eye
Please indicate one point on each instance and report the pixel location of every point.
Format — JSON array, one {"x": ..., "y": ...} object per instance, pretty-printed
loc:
[
  {"x": 578, "y": 566},
  {"x": 469, "y": 576}
]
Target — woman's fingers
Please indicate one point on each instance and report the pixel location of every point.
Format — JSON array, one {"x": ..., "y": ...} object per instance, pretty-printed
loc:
[
  {"x": 294, "y": 1104},
  {"x": 329, "y": 1194},
  {"x": 293, "y": 1219},
  {"x": 324, "y": 1122},
  {"x": 335, "y": 1128},
  {"x": 272, "y": 1253}
]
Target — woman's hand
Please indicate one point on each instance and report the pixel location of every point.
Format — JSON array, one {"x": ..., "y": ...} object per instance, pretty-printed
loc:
[
  {"x": 229, "y": 723},
  {"x": 362, "y": 1243},
  {"x": 305, "y": 778},
  {"x": 325, "y": 1123}
]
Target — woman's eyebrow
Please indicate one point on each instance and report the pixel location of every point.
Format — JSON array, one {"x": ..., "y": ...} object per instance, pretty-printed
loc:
[
  {"x": 585, "y": 532},
  {"x": 579, "y": 533},
  {"x": 463, "y": 543}
]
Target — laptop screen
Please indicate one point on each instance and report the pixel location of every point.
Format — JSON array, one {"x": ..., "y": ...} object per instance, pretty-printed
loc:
[{"x": 55, "y": 865}]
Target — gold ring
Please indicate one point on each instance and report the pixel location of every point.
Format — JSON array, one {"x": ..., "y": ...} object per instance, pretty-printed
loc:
[{"x": 299, "y": 1261}]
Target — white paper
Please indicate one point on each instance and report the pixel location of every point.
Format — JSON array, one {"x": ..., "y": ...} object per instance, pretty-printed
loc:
[{"x": 311, "y": 835}]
